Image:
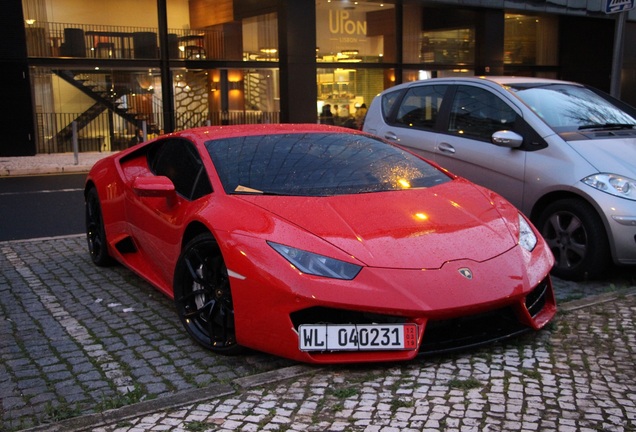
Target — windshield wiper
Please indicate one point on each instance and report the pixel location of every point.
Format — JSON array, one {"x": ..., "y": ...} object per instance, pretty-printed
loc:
[{"x": 608, "y": 126}]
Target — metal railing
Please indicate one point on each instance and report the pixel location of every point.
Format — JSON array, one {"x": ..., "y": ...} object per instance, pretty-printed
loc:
[
  {"x": 109, "y": 132},
  {"x": 50, "y": 39},
  {"x": 189, "y": 119},
  {"x": 104, "y": 133}
]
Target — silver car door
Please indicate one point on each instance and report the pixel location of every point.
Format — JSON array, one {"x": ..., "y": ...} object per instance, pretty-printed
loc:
[
  {"x": 466, "y": 148},
  {"x": 415, "y": 119}
]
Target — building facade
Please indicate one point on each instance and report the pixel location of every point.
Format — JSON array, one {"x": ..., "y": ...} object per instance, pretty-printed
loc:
[{"x": 91, "y": 76}]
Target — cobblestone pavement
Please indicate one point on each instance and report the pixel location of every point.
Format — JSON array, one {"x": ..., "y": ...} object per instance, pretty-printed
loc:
[
  {"x": 75, "y": 338},
  {"x": 86, "y": 348}
]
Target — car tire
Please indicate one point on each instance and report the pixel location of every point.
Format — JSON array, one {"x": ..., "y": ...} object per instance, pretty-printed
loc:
[
  {"x": 203, "y": 297},
  {"x": 95, "y": 232},
  {"x": 576, "y": 236}
]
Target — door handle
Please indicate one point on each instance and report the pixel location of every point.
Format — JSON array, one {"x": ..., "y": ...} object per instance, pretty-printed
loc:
[
  {"x": 446, "y": 148},
  {"x": 391, "y": 136}
]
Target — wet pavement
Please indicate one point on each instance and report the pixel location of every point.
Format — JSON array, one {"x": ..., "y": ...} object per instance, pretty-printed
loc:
[{"x": 87, "y": 348}]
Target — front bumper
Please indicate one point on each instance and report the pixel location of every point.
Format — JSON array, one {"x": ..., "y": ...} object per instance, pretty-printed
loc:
[
  {"x": 271, "y": 301},
  {"x": 619, "y": 216},
  {"x": 442, "y": 335}
]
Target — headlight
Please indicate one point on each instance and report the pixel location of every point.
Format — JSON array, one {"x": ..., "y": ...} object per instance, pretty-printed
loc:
[
  {"x": 613, "y": 184},
  {"x": 527, "y": 239},
  {"x": 315, "y": 264}
]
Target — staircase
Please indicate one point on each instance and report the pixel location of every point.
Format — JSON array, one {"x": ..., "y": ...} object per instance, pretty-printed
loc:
[{"x": 106, "y": 98}]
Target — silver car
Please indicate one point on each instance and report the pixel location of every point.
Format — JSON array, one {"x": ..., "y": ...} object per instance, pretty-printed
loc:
[{"x": 563, "y": 153}]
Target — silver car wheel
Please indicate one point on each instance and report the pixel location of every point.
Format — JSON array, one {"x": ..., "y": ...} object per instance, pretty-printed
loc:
[{"x": 576, "y": 235}]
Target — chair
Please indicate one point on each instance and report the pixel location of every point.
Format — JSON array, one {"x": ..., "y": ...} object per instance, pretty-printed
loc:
[
  {"x": 105, "y": 50},
  {"x": 145, "y": 45},
  {"x": 74, "y": 44},
  {"x": 173, "y": 46}
]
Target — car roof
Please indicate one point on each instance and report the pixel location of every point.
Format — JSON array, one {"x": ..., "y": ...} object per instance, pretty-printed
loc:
[
  {"x": 525, "y": 80},
  {"x": 491, "y": 80}
]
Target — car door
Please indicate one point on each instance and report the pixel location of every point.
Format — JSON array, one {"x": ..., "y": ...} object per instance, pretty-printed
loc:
[
  {"x": 465, "y": 147},
  {"x": 157, "y": 218},
  {"x": 411, "y": 122}
]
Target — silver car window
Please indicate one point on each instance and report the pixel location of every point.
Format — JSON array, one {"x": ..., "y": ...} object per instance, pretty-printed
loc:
[
  {"x": 477, "y": 113},
  {"x": 388, "y": 102},
  {"x": 420, "y": 106}
]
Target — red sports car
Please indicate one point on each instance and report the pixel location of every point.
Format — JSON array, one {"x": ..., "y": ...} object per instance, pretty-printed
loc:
[{"x": 317, "y": 243}]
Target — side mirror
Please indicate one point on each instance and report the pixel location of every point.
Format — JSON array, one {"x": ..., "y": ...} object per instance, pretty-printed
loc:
[
  {"x": 506, "y": 138},
  {"x": 158, "y": 187}
]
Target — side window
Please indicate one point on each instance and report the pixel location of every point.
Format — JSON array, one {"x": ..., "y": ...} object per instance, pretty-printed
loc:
[
  {"x": 179, "y": 161},
  {"x": 388, "y": 102},
  {"x": 477, "y": 113},
  {"x": 420, "y": 106}
]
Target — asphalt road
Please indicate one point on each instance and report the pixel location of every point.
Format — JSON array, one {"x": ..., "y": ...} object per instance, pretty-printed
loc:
[{"x": 41, "y": 206}]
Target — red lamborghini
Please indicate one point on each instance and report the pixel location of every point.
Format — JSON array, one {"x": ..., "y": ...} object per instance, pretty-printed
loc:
[{"x": 317, "y": 243}]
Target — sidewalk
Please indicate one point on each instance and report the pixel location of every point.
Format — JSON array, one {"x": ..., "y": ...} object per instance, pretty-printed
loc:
[{"x": 55, "y": 163}]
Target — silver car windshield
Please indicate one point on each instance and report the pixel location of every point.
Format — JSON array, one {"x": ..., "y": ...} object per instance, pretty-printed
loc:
[{"x": 568, "y": 107}]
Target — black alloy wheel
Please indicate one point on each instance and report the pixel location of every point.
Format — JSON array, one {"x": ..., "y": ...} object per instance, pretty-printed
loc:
[
  {"x": 576, "y": 236},
  {"x": 203, "y": 297},
  {"x": 95, "y": 233}
]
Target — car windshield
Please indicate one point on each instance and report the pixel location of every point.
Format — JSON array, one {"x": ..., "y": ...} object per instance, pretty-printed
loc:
[
  {"x": 567, "y": 107},
  {"x": 317, "y": 164}
]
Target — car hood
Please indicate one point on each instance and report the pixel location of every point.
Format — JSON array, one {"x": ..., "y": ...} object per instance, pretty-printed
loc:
[
  {"x": 617, "y": 156},
  {"x": 417, "y": 229}
]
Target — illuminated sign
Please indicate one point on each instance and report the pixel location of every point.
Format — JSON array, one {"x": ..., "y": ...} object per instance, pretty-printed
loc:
[{"x": 340, "y": 22}]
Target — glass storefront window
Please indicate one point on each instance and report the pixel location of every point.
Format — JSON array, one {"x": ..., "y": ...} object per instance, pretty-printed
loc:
[
  {"x": 448, "y": 46},
  {"x": 424, "y": 74},
  {"x": 66, "y": 100},
  {"x": 205, "y": 32},
  {"x": 108, "y": 106},
  {"x": 354, "y": 32},
  {"x": 260, "y": 38},
  {"x": 56, "y": 28},
  {"x": 225, "y": 96},
  {"x": 344, "y": 93},
  {"x": 531, "y": 40}
]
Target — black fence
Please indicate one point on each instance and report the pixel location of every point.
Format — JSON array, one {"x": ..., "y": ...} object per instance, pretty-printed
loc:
[
  {"x": 109, "y": 132},
  {"x": 49, "y": 39}
]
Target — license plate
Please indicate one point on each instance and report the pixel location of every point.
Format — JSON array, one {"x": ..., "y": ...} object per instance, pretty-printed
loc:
[{"x": 357, "y": 337}]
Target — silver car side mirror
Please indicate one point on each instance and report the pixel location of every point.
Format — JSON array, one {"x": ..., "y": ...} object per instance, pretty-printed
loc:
[{"x": 506, "y": 138}]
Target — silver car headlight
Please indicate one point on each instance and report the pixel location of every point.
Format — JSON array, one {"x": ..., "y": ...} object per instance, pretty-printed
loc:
[
  {"x": 318, "y": 265},
  {"x": 613, "y": 184},
  {"x": 527, "y": 239}
]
